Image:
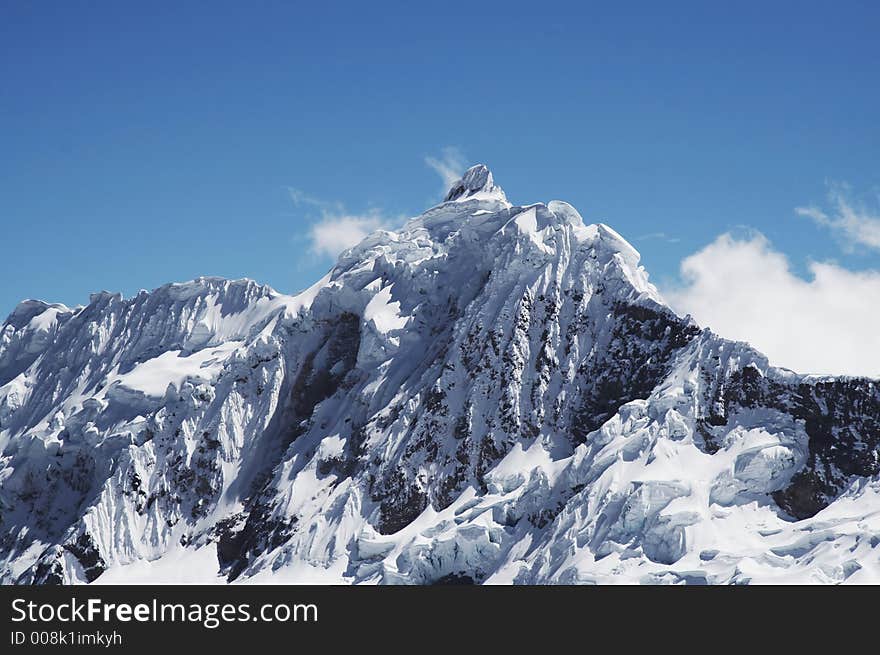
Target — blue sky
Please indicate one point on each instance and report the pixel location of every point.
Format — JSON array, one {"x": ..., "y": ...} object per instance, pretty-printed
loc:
[{"x": 147, "y": 143}]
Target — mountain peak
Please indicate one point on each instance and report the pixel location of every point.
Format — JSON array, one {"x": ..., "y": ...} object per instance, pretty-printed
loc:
[
  {"x": 477, "y": 182},
  {"x": 462, "y": 399}
]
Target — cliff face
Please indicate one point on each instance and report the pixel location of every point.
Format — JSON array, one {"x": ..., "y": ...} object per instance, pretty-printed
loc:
[{"x": 492, "y": 394}]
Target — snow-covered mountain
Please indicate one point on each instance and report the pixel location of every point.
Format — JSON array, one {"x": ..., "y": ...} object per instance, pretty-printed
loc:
[{"x": 493, "y": 394}]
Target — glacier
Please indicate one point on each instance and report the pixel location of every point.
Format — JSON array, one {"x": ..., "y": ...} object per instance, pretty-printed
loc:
[{"x": 493, "y": 394}]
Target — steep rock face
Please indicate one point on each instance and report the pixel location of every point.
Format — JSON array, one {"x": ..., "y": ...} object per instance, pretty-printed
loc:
[
  {"x": 123, "y": 423},
  {"x": 493, "y": 393},
  {"x": 841, "y": 418}
]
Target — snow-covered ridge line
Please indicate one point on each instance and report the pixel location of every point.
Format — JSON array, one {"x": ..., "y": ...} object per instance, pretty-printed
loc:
[{"x": 493, "y": 393}]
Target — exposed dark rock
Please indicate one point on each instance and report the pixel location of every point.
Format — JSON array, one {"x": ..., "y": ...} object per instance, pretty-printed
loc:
[
  {"x": 87, "y": 555},
  {"x": 637, "y": 358},
  {"x": 401, "y": 502},
  {"x": 840, "y": 416},
  {"x": 455, "y": 579}
]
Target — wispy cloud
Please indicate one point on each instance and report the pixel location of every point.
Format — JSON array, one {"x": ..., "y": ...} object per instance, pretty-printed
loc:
[
  {"x": 658, "y": 236},
  {"x": 855, "y": 224},
  {"x": 302, "y": 199},
  {"x": 744, "y": 289},
  {"x": 449, "y": 165},
  {"x": 337, "y": 230}
]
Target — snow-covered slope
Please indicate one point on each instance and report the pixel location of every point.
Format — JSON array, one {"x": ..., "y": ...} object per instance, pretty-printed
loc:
[{"x": 495, "y": 394}]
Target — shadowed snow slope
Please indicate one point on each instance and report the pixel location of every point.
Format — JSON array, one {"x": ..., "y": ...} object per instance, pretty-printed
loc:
[{"x": 495, "y": 393}]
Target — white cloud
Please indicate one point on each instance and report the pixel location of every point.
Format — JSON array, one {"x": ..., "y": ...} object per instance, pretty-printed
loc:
[
  {"x": 449, "y": 166},
  {"x": 335, "y": 233},
  {"x": 855, "y": 224},
  {"x": 337, "y": 230},
  {"x": 743, "y": 289}
]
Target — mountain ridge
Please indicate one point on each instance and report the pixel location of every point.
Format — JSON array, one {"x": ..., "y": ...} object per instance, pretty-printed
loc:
[{"x": 494, "y": 392}]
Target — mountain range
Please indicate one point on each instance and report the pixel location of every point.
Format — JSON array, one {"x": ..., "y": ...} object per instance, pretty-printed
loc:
[{"x": 491, "y": 394}]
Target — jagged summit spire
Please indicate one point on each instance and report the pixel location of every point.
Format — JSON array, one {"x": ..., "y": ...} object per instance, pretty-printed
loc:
[{"x": 477, "y": 182}]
